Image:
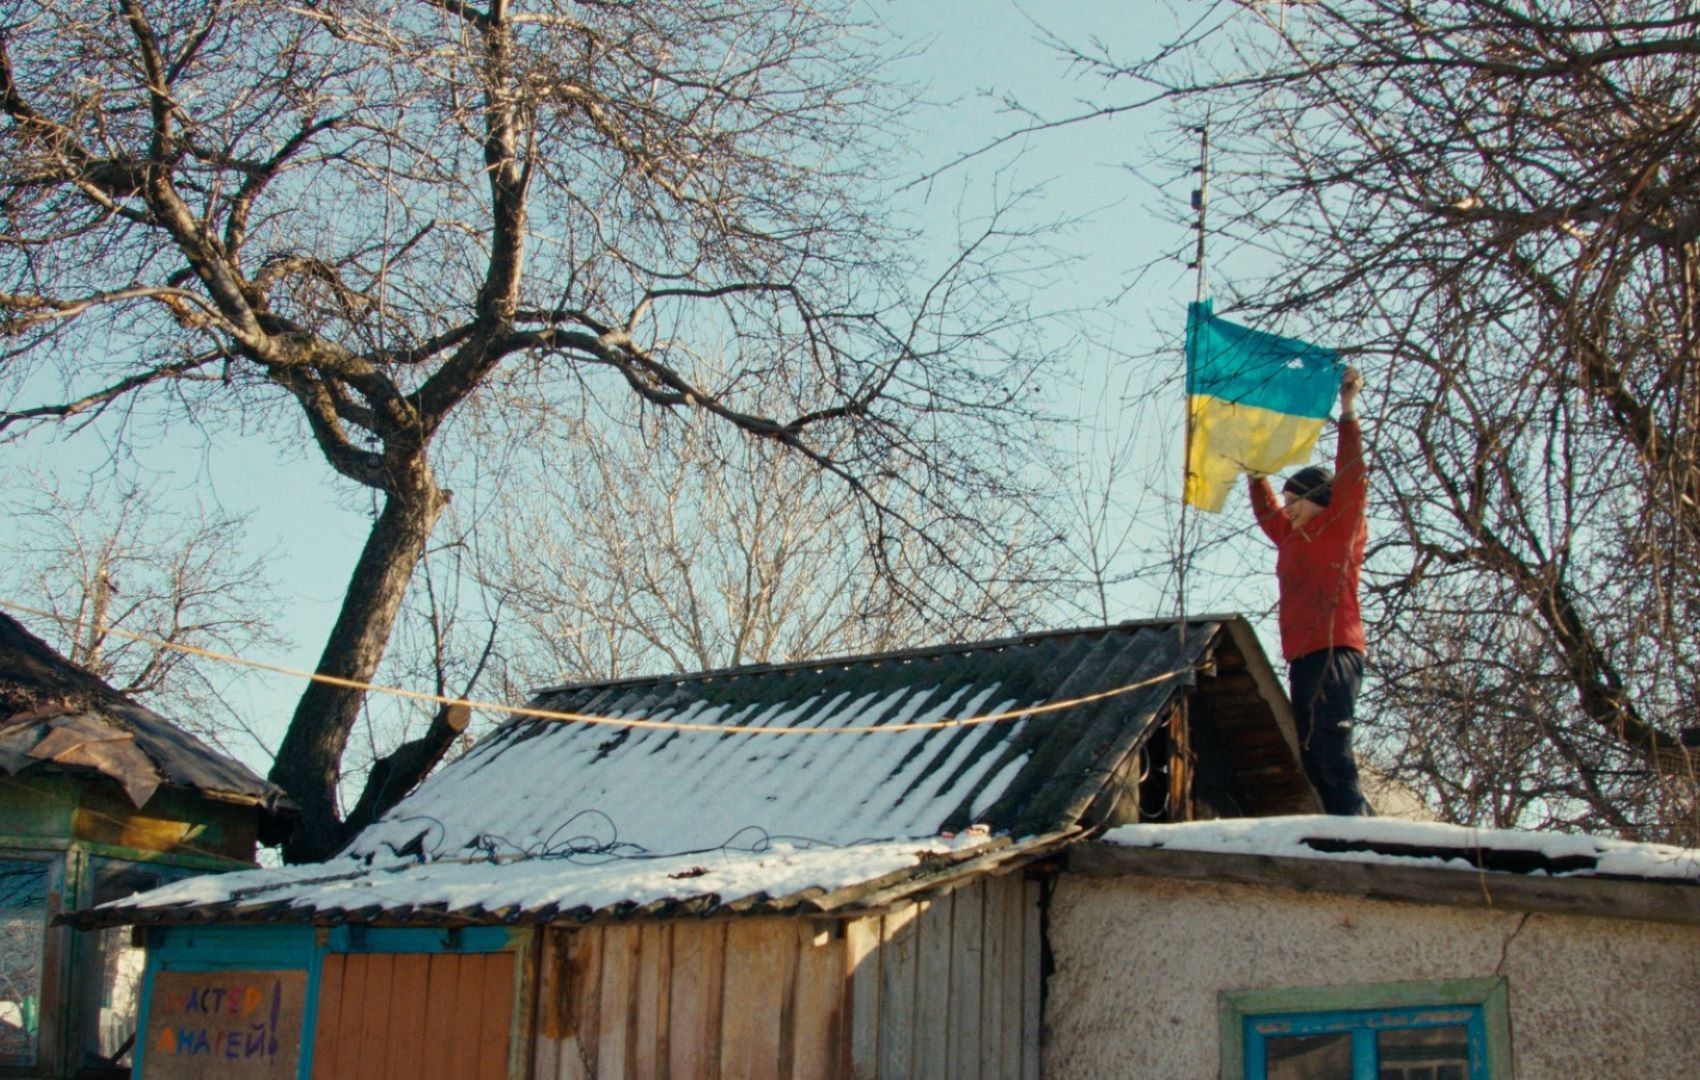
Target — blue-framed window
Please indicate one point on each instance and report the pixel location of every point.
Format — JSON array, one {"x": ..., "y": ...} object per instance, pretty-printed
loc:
[
  {"x": 1449, "y": 1030},
  {"x": 1444, "y": 1043}
]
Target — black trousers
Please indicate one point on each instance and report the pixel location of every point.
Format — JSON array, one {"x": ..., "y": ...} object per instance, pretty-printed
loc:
[{"x": 1325, "y": 693}]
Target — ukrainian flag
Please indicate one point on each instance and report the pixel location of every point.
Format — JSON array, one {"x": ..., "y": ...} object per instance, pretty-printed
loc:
[{"x": 1255, "y": 402}]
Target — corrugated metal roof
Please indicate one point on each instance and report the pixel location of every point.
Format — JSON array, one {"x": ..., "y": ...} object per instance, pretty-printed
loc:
[
  {"x": 567, "y": 799},
  {"x": 55, "y": 716},
  {"x": 536, "y": 783}
]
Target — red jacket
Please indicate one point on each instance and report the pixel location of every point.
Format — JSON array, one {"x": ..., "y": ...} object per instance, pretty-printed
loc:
[{"x": 1317, "y": 568}]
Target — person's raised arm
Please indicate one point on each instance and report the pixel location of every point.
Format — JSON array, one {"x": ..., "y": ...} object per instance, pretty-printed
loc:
[
  {"x": 1267, "y": 510},
  {"x": 1351, "y": 472}
]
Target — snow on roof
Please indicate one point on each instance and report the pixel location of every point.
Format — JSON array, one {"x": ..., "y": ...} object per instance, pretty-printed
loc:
[
  {"x": 537, "y": 786},
  {"x": 552, "y": 785},
  {"x": 482, "y": 889},
  {"x": 1408, "y": 843}
]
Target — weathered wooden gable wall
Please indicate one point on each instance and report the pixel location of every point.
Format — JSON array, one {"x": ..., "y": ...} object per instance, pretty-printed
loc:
[{"x": 946, "y": 987}]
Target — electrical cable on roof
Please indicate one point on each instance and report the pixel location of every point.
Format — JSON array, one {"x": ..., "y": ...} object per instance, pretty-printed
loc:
[
  {"x": 490, "y": 845},
  {"x": 628, "y": 722},
  {"x": 593, "y": 850},
  {"x": 580, "y": 842},
  {"x": 415, "y": 848}
]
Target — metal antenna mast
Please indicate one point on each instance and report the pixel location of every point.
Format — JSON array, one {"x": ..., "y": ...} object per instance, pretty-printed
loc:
[{"x": 1200, "y": 203}]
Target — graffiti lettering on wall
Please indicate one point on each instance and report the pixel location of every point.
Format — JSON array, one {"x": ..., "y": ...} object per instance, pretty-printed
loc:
[{"x": 208, "y": 1025}]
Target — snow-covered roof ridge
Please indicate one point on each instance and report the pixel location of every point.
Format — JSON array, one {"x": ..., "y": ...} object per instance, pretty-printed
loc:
[{"x": 1433, "y": 844}]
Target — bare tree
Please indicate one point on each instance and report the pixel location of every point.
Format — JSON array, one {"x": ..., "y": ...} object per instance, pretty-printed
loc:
[
  {"x": 674, "y": 548},
  {"x": 1494, "y": 206},
  {"x": 1102, "y": 521},
  {"x": 106, "y": 561},
  {"x": 384, "y": 227}
]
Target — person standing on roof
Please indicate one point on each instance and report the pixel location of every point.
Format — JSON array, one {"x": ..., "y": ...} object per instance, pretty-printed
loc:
[{"x": 1320, "y": 535}]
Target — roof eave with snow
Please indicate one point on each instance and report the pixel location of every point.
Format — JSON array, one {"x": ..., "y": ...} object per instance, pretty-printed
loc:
[
  {"x": 829, "y": 883},
  {"x": 1411, "y": 862}
]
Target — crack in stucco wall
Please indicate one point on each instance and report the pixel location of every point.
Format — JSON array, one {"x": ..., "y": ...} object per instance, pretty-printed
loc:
[{"x": 1505, "y": 946}]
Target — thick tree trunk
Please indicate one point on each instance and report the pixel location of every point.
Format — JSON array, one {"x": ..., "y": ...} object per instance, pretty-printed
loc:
[{"x": 308, "y": 764}]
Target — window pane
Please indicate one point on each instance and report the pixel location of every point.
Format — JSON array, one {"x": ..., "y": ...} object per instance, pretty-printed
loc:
[
  {"x": 1435, "y": 1053},
  {"x": 23, "y": 933},
  {"x": 112, "y": 966},
  {"x": 114, "y": 996},
  {"x": 1309, "y": 1057}
]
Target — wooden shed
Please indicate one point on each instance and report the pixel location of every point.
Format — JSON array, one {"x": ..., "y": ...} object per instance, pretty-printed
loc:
[
  {"x": 100, "y": 798},
  {"x": 837, "y": 868}
]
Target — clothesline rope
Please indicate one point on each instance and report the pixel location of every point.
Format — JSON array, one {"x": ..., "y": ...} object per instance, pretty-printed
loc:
[{"x": 616, "y": 721}]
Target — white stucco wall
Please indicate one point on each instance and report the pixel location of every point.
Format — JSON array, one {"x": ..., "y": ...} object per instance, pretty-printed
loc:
[{"x": 1139, "y": 963}]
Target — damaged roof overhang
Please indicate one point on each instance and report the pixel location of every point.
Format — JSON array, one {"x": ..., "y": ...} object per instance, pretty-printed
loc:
[
  {"x": 63, "y": 738},
  {"x": 57, "y": 717}
]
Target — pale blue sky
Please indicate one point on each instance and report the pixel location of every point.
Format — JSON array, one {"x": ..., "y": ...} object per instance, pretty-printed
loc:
[{"x": 968, "y": 54}]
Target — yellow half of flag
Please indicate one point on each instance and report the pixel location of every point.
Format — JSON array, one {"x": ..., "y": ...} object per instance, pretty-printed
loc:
[{"x": 1229, "y": 438}]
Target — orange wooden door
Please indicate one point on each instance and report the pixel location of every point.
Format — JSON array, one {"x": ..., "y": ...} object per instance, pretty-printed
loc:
[{"x": 414, "y": 1016}]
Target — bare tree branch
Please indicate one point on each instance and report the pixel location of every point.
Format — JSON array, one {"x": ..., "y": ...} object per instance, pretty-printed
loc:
[{"x": 406, "y": 230}]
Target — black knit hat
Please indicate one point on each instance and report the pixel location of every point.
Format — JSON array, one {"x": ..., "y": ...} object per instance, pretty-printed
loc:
[{"x": 1313, "y": 482}]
